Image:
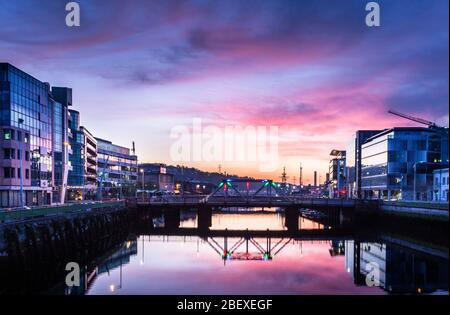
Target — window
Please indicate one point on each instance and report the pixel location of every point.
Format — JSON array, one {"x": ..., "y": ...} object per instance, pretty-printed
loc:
[
  {"x": 19, "y": 136},
  {"x": 27, "y": 155},
  {"x": 9, "y": 172},
  {"x": 27, "y": 174},
  {"x": 8, "y": 153},
  {"x": 8, "y": 134}
]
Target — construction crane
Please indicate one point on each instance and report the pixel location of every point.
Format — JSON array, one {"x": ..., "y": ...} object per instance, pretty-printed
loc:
[{"x": 419, "y": 120}]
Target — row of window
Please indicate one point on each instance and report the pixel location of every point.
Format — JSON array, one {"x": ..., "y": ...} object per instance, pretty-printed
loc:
[
  {"x": 10, "y": 154},
  {"x": 10, "y": 172},
  {"x": 444, "y": 180},
  {"x": 11, "y": 134}
]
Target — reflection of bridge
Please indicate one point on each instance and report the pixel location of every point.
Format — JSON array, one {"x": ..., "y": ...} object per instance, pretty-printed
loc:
[
  {"x": 302, "y": 234},
  {"x": 235, "y": 244}
]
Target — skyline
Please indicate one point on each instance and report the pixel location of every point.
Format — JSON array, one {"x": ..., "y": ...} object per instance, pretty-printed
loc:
[{"x": 316, "y": 71}]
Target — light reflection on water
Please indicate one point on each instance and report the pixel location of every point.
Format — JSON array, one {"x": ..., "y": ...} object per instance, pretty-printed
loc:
[{"x": 191, "y": 265}]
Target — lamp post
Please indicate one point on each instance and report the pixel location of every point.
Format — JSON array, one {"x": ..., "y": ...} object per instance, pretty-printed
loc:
[
  {"x": 142, "y": 175},
  {"x": 20, "y": 121},
  {"x": 143, "y": 183}
]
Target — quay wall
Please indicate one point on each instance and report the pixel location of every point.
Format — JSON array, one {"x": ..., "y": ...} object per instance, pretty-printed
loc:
[{"x": 40, "y": 248}]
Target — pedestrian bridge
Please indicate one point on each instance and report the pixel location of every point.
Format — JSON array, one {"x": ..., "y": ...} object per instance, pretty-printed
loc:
[
  {"x": 250, "y": 202},
  {"x": 248, "y": 194}
]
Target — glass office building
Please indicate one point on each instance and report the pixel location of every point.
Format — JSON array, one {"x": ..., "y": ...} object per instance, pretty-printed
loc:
[
  {"x": 353, "y": 162},
  {"x": 25, "y": 139},
  {"x": 62, "y": 99},
  {"x": 336, "y": 184},
  {"x": 82, "y": 178},
  {"x": 398, "y": 163},
  {"x": 117, "y": 170}
]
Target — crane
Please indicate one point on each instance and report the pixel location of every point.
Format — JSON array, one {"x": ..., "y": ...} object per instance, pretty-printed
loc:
[{"x": 416, "y": 119}]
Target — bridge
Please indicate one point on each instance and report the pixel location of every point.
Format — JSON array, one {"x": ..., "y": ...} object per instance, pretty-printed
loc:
[
  {"x": 254, "y": 202},
  {"x": 248, "y": 194}
]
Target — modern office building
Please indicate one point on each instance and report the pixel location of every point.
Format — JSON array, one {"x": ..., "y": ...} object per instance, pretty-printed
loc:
[
  {"x": 155, "y": 176},
  {"x": 61, "y": 98},
  {"x": 440, "y": 185},
  {"x": 398, "y": 163},
  {"x": 353, "y": 162},
  {"x": 46, "y": 156},
  {"x": 336, "y": 183},
  {"x": 26, "y": 163},
  {"x": 82, "y": 180},
  {"x": 117, "y": 170}
]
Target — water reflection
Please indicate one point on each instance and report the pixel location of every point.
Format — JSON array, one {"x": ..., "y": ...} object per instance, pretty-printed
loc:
[{"x": 190, "y": 264}]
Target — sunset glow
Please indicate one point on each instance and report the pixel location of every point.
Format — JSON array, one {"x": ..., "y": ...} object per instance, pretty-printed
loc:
[{"x": 315, "y": 71}]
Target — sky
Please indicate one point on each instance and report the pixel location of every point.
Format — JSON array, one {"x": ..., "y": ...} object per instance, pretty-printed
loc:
[{"x": 313, "y": 69}]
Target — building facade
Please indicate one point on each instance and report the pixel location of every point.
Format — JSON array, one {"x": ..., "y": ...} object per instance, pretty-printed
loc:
[
  {"x": 440, "y": 185},
  {"x": 353, "y": 162},
  {"x": 82, "y": 179},
  {"x": 26, "y": 164},
  {"x": 336, "y": 184},
  {"x": 46, "y": 156},
  {"x": 155, "y": 176},
  {"x": 117, "y": 170},
  {"x": 61, "y": 100},
  {"x": 397, "y": 163}
]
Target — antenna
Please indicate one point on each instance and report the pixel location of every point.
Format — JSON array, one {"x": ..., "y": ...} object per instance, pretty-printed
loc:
[
  {"x": 301, "y": 179},
  {"x": 283, "y": 176},
  {"x": 133, "y": 149}
]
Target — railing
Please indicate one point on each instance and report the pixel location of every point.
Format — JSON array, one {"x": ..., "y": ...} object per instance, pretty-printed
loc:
[
  {"x": 169, "y": 199},
  {"x": 19, "y": 214},
  {"x": 206, "y": 199},
  {"x": 418, "y": 204}
]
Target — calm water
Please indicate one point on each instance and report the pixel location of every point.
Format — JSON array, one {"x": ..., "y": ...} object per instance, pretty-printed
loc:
[{"x": 159, "y": 264}]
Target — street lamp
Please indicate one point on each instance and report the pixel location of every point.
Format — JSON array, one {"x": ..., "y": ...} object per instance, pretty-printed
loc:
[
  {"x": 142, "y": 174},
  {"x": 20, "y": 121},
  {"x": 143, "y": 183}
]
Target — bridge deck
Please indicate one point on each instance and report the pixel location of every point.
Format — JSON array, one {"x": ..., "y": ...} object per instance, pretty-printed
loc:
[
  {"x": 247, "y": 203},
  {"x": 306, "y": 234}
]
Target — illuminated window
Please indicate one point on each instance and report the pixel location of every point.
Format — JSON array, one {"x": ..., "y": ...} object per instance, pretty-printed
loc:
[{"x": 8, "y": 134}]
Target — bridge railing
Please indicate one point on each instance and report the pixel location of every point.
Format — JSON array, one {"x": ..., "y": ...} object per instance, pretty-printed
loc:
[
  {"x": 238, "y": 200},
  {"x": 171, "y": 199}
]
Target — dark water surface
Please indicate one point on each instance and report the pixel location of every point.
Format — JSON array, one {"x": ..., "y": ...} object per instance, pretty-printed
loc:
[{"x": 159, "y": 264}]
